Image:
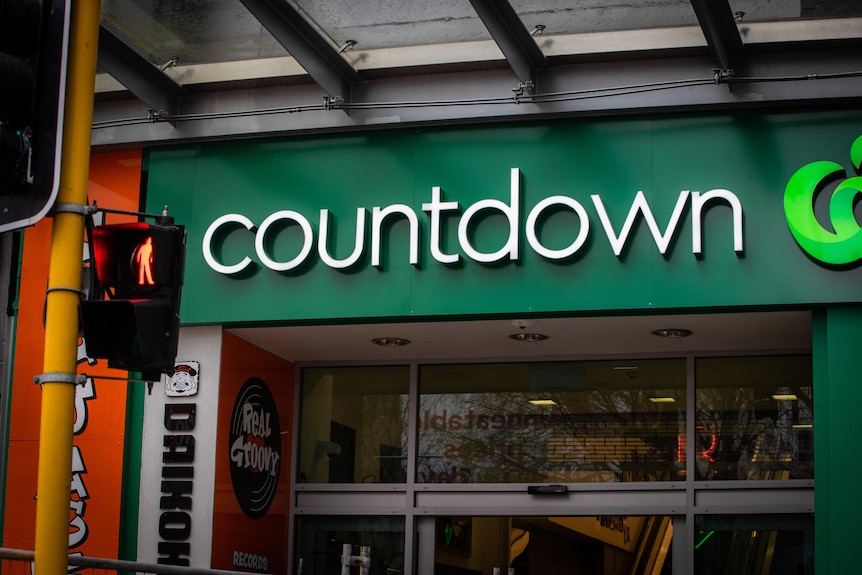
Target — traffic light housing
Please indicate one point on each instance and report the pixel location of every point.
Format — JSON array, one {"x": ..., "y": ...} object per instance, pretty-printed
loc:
[
  {"x": 139, "y": 272},
  {"x": 33, "y": 56}
]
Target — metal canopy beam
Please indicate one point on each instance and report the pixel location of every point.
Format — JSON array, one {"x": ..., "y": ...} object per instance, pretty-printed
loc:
[
  {"x": 516, "y": 43},
  {"x": 800, "y": 75},
  {"x": 719, "y": 27},
  {"x": 140, "y": 77},
  {"x": 313, "y": 52}
]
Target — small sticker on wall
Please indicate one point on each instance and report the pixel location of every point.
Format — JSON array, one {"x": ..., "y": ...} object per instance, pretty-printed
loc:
[{"x": 184, "y": 381}]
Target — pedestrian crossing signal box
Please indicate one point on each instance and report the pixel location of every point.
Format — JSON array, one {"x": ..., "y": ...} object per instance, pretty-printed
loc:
[{"x": 132, "y": 317}]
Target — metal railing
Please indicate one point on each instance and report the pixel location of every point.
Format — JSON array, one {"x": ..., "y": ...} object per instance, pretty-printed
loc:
[{"x": 20, "y": 562}]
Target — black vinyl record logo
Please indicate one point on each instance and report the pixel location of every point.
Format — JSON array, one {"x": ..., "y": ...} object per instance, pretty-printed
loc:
[{"x": 255, "y": 448}]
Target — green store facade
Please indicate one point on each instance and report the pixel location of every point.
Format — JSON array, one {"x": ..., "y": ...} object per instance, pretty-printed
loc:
[{"x": 630, "y": 345}]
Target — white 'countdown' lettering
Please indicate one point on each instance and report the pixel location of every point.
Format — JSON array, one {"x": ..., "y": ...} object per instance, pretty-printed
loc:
[{"x": 437, "y": 209}]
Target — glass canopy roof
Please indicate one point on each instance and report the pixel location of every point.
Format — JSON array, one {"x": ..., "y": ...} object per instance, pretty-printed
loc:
[
  {"x": 188, "y": 33},
  {"x": 201, "y": 69}
]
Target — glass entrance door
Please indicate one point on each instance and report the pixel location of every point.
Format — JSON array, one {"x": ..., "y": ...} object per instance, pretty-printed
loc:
[
  {"x": 615, "y": 545},
  {"x": 598, "y": 545}
]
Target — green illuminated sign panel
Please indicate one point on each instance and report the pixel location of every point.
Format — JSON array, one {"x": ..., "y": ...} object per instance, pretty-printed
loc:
[{"x": 562, "y": 217}]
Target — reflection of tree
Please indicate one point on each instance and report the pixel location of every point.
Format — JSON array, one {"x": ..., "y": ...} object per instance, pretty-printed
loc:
[
  {"x": 382, "y": 441},
  {"x": 477, "y": 437},
  {"x": 627, "y": 433},
  {"x": 370, "y": 407},
  {"x": 386, "y": 539},
  {"x": 614, "y": 435},
  {"x": 741, "y": 436}
]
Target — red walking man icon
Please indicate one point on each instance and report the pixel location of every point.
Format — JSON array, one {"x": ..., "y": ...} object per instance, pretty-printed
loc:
[{"x": 144, "y": 259}]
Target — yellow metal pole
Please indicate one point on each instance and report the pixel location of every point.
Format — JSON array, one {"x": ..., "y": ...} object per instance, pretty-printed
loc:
[{"x": 64, "y": 284}]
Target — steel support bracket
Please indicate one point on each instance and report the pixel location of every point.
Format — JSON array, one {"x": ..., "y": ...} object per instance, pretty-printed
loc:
[
  {"x": 722, "y": 76},
  {"x": 69, "y": 208},
  {"x": 60, "y": 377}
]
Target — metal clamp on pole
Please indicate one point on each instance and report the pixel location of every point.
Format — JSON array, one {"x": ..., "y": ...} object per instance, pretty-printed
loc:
[
  {"x": 69, "y": 208},
  {"x": 86, "y": 210},
  {"x": 162, "y": 219},
  {"x": 59, "y": 377},
  {"x": 63, "y": 288}
]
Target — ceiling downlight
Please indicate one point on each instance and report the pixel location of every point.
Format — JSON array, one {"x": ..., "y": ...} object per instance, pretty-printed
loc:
[
  {"x": 390, "y": 341},
  {"x": 528, "y": 337},
  {"x": 672, "y": 332}
]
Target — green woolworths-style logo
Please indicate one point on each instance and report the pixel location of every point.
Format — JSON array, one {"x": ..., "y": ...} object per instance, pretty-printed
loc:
[{"x": 844, "y": 244}]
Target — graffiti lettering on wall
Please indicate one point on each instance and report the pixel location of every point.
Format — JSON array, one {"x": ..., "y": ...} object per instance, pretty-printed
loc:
[
  {"x": 175, "y": 521},
  {"x": 78, "y": 529}
]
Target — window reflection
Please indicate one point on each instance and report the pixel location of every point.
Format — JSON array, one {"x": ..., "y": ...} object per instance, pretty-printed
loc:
[
  {"x": 754, "y": 544},
  {"x": 353, "y": 425},
  {"x": 754, "y": 418},
  {"x": 350, "y": 545},
  {"x": 595, "y": 421},
  {"x": 552, "y": 422}
]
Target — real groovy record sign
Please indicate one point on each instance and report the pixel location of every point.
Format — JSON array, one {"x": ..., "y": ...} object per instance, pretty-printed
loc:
[{"x": 255, "y": 448}]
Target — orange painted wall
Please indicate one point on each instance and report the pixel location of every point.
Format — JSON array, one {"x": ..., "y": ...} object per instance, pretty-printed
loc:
[
  {"x": 100, "y": 419},
  {"x": 233, "y": 530}
]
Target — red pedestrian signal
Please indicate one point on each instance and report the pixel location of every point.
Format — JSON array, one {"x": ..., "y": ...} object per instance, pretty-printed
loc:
[
  {"x": 139, "y": 271},
  {"x": 144, "y": 261},
  {"x": 139, "y": 259}
]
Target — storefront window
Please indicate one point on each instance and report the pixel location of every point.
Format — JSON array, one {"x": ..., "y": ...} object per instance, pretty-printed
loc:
[
  {"x": 755, "y": 418},
  {"x": 353, "y": 425},
  {"x": 597, "y": 421},
  {"x": 350, "y": 545},
  {"x": 754, "y": 544}
]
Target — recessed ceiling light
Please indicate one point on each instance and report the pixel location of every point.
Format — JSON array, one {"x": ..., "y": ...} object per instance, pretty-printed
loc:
[
  {"x": 803, "y": 426},
  {"x": 662, "y": 400},
  {"x": 529, "y": 337},
  {"x": 672, "y": 332},
  {"x": 543, "y": 402},
  {"x": 391, "y": 341},
  {"x": 784, "y": 397}
]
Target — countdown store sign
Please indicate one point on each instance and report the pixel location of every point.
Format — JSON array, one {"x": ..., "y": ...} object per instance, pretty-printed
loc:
[{"x": 438, "y": 209}]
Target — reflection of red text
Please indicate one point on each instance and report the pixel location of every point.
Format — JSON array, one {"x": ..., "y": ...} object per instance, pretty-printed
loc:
[
  {"x": 452, "y": 474},
  {"x": 484, "y": 451},
  {"x": 709, "y": 451},
  {"x": 471, "y": 420},
  {"x": 476, "y": 454}
]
